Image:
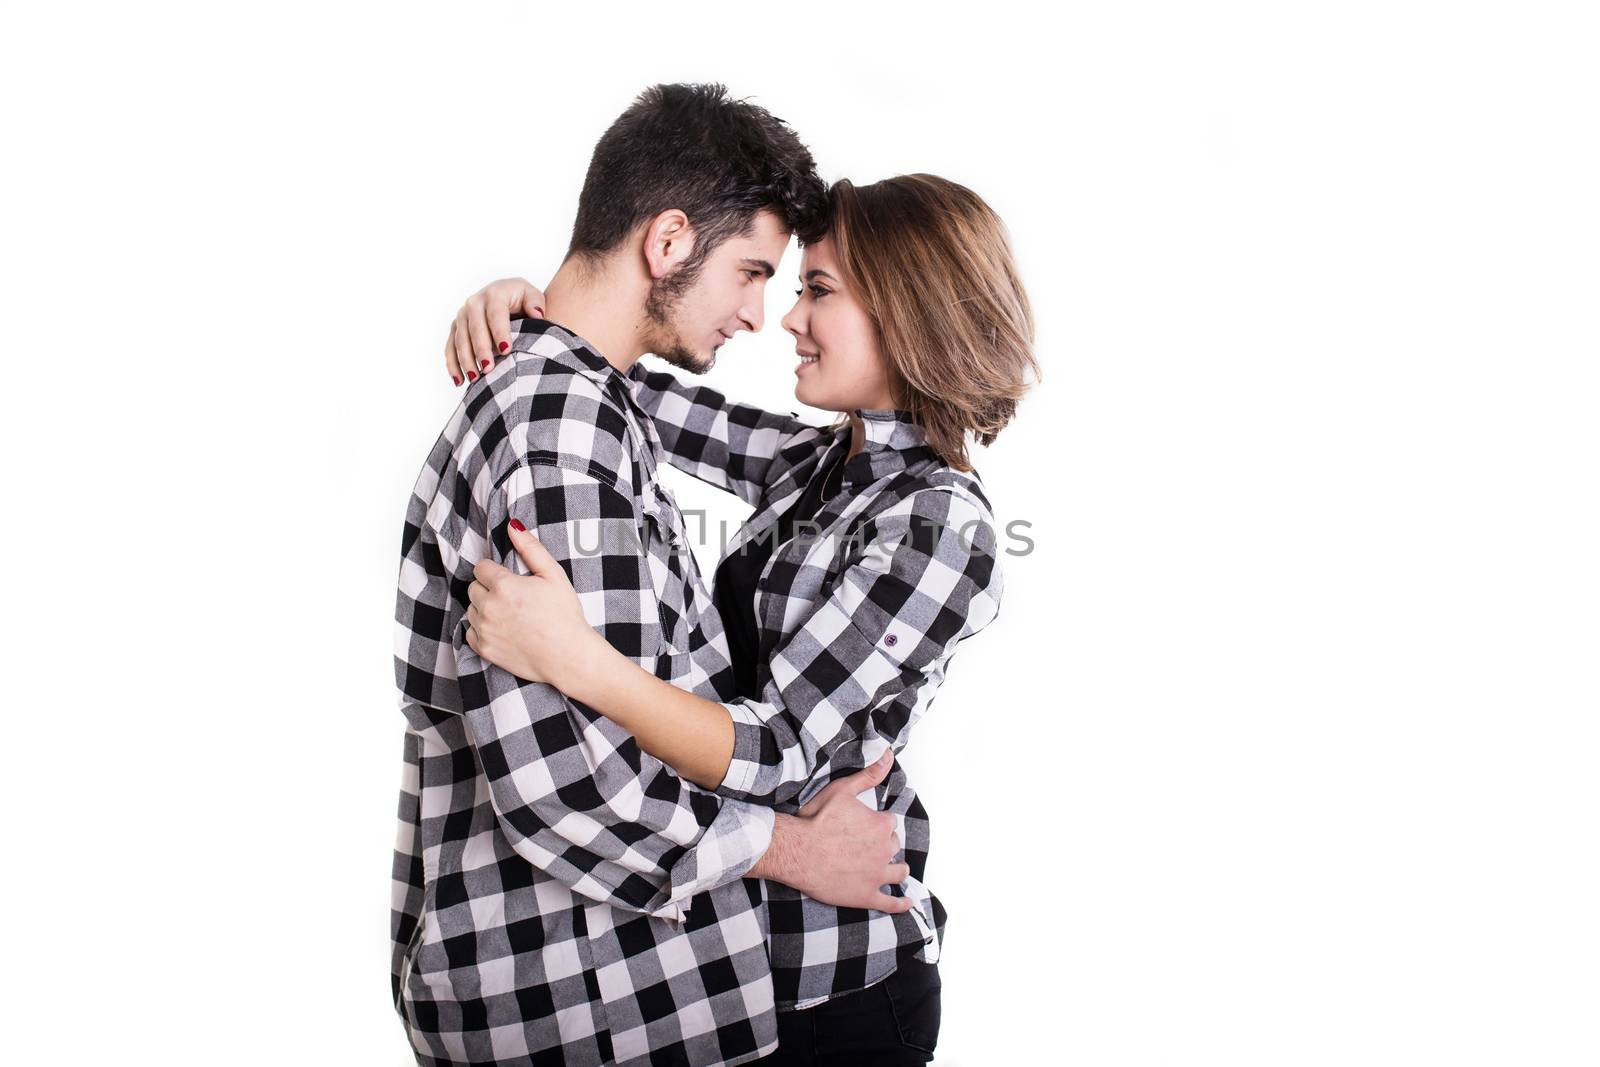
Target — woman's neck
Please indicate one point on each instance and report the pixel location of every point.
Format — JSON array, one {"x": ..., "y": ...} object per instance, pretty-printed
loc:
[{"x": 858, "y": 436}]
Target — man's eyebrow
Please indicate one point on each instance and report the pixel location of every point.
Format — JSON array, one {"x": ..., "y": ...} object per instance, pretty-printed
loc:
[
  {"x": 813, "y": 274},
  {"x": 761, "y": 265}
]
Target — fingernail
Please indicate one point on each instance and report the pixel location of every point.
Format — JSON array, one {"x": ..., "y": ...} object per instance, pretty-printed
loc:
[
  {"x": 471, "y": 377},
  {"x": 456, "y": 378},
  {"x": 504, "y": 346},
  {"x": 540, "y": 312},
  {"x": 485, "y": 364},
  {"x": 516, "y": 524}
]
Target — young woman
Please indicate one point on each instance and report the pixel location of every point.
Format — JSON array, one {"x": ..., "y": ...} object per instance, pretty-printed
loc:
[{"x": 871, "y": 554}]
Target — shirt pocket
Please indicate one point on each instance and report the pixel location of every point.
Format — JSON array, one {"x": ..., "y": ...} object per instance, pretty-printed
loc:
[{"x": 887, "y": 614}]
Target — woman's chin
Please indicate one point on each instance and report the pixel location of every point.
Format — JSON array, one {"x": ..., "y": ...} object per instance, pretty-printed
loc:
[{"x": 809, "y": 394}]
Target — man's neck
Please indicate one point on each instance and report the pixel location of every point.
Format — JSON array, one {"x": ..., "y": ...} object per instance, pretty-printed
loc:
[{"x": 603, "y": 306}]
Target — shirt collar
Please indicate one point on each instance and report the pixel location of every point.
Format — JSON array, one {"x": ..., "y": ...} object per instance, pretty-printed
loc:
[
  {"x": 890, "y": 428},
  {"x": 541, "y": 337},
  {"x": 893, "y": 441}
]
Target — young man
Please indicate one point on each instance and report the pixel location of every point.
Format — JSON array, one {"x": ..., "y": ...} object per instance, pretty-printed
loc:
[{"x": 560, "y": 896}]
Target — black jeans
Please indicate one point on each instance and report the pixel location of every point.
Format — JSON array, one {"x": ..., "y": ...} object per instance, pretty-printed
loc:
[{"x": 894, "y": 1023}]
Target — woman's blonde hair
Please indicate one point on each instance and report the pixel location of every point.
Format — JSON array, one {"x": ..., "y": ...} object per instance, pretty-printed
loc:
[{"x": 932, "y": 265}]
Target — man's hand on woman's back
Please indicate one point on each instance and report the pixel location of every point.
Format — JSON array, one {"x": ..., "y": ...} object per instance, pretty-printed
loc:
[{"x": 838, "y": 850}]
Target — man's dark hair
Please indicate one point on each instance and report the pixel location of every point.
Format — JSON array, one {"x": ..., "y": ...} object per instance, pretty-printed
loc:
[{"x": 719, "y": 161}]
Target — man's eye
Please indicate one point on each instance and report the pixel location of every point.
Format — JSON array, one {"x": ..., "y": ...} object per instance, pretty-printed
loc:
[{"x": 754, "y": 275}]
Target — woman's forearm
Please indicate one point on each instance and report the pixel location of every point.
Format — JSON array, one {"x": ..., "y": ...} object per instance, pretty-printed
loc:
[{"x": 691, "y": 735}]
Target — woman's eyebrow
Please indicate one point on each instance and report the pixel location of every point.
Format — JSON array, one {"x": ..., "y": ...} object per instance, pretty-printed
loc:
[{"x": 811, "y": 274}]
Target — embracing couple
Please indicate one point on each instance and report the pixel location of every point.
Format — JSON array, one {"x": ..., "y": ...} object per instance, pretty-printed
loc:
[{"x": 641, "y": 822}]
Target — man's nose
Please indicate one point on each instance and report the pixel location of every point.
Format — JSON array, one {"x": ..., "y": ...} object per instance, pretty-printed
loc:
[{"x": 753, "y": 317}]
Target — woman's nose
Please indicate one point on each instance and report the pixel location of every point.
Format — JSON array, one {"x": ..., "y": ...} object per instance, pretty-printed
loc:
[{"x": 794, "y": 321}]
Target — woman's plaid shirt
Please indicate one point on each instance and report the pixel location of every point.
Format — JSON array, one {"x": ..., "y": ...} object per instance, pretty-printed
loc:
[{"x": 858, "y": 616}]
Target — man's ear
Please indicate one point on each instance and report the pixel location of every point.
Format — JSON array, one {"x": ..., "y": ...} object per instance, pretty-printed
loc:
[{"x": 668, "y": 242}]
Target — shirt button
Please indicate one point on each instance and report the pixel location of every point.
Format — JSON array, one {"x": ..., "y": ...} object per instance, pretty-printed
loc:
[{"x": 891, "y": 640}]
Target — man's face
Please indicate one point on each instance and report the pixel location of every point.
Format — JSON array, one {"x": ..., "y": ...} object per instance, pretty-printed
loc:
[{"x": 688, "y": 325}]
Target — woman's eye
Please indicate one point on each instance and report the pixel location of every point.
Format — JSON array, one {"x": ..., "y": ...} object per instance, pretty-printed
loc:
[{"x": 818, "y": 292}]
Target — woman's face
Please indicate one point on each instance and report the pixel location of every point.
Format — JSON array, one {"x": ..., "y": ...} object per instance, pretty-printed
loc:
[{"x": 829, "y": 324}]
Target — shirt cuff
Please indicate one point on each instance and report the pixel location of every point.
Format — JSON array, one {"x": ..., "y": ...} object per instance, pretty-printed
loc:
[
  {"x": 746, "y": 762},
  {"x": 736, "y": 839}
]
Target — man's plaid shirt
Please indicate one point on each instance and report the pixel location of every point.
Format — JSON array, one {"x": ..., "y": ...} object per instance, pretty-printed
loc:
[
  {"x": 558, "y": 895},
  {"x": 858, "y": 618}
]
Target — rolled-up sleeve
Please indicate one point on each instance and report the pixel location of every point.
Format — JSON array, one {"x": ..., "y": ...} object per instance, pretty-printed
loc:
[
  {"x": 573, "y": 792},
  {"x": 846, "y": 682}
]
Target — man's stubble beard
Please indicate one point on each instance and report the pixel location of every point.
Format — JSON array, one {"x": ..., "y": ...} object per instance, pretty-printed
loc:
[{"x": 663, "y": 338}]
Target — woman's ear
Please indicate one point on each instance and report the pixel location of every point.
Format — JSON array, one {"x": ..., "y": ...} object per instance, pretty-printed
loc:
[{"x": 668, "y": 242}]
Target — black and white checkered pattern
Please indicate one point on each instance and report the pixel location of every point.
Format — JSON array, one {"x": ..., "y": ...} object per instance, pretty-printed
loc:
[
  {"x": 858, "y": 615},
  {"x": 559, "y": 895}
]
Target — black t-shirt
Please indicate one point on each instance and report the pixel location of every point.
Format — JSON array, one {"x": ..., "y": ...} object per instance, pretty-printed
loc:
[{"x": 734, "y": 589}]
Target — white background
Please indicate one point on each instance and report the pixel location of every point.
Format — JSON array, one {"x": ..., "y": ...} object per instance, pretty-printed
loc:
[{"x": 1283, "y": 747}]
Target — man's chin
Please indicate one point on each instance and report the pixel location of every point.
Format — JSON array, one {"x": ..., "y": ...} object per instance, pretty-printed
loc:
[{"x": 693, "y": 362}]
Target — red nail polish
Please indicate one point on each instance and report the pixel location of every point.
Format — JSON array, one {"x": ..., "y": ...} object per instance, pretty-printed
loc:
[
  {"x": 471, "y": 377},
  {"x": 516, "y": 524},
  {"x": 485, "y": 364},
  {"x": 455, "y": 379},
  {"x": 504, "y": 346}
]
